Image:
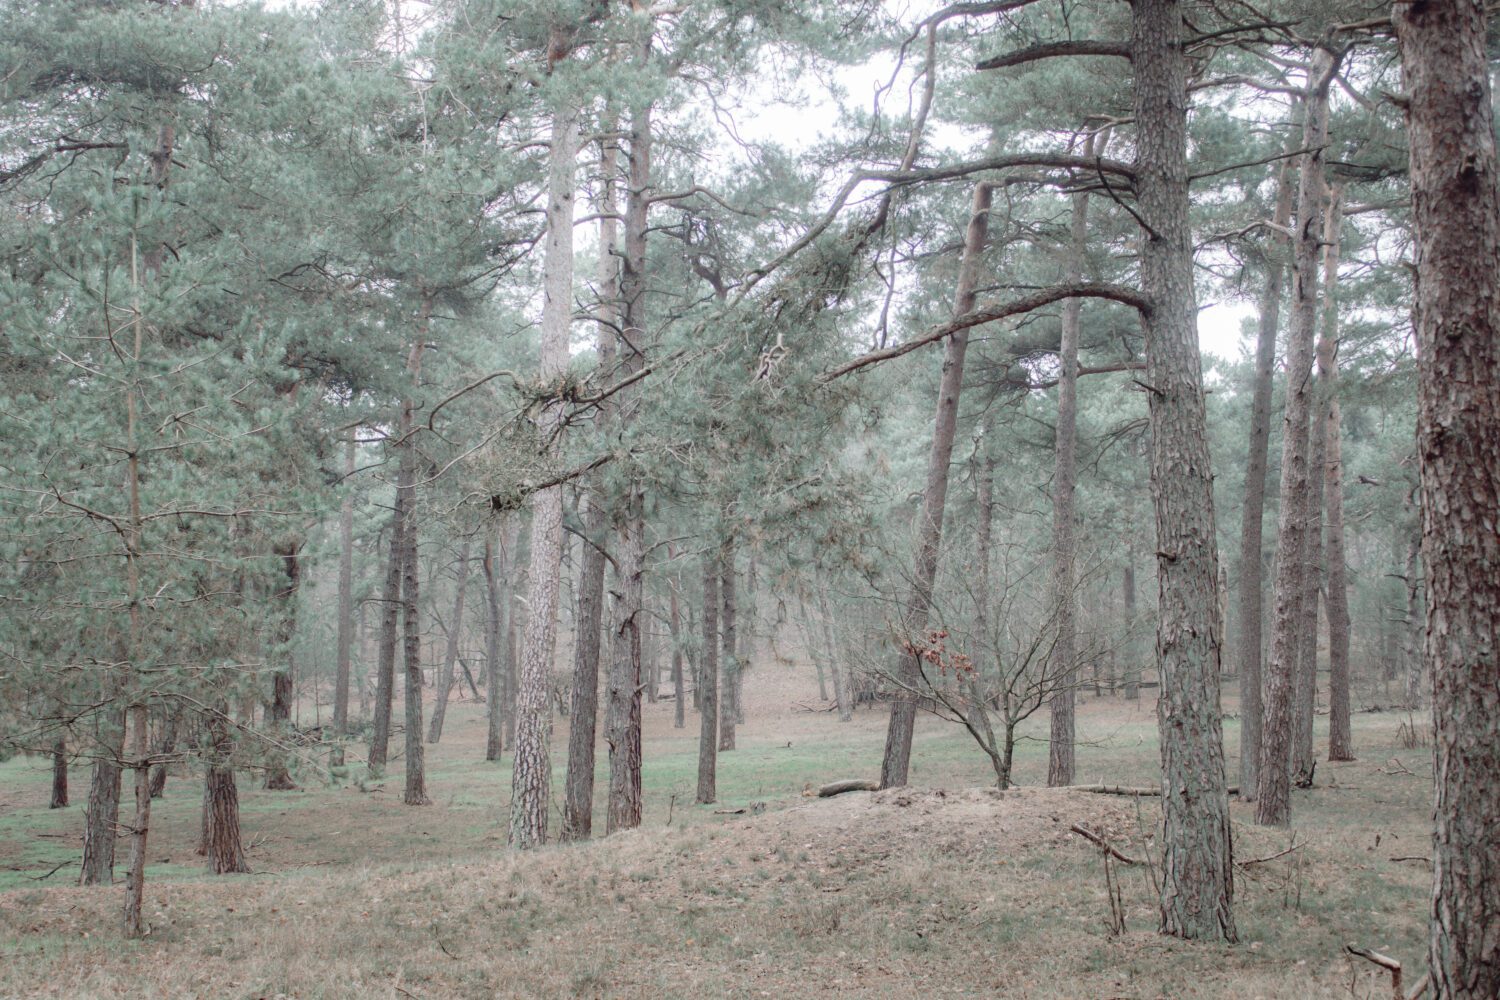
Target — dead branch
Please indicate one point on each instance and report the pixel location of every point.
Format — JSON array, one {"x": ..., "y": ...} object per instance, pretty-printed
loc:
[
  {"x": 848, "y": 785},
  {"x": 1271, "y": 857},
  {"x": 1103, "y": 844},
  {"x": 1048, "y": 50},
  {"x": 1385, "y": 962}
]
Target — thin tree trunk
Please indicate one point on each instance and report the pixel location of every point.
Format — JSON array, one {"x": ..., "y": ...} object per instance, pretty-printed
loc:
[
  {"x": 497, "y": 566},
  {"x": 415, "y": 793},
  {"x": 674, "y": 623},
  {"x": 983, "y": 652},
  {"x": 59, "y": 774},
  {"x": 164, "y": 748},
  {"x": 140, "y": 827},
  {"x": 1305, "y": 677},
  {"x": 1132, "y": 665},
  {"x": 622, "y": 722},
  {"x": 279, "y": 713},
  {"x": 1456, "y": 217},
  {"x": 390, "y": 616},
  {"x": 896, "y": 762},
  {"x": 1273, "y": 802},
  {"x": 344, "y": 653},
  {"x": 531, "y": 782},
  {"x": 1065, "y": 469},
  {"x": 708, "y": 685},
  {"x": 841, "y": 682},
  {"x": 1411, "y": 638},
  {"x": 450, "y": 651},
  {"x": 1252, "y": 521},
  {"x": 1340, "y": 742},
  {"x": 729, "y": 660},
  {"x": 1197, "y": 886}
]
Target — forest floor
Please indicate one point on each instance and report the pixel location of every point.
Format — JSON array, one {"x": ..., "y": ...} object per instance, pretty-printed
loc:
[{"x": 946, "y": 888}]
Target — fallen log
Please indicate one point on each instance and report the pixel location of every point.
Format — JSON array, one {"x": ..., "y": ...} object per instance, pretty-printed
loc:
[
  {"x": 848, "y": 785},
  {"x": 1090, "y": 835},
  {"x": 1144, "y": 792}
]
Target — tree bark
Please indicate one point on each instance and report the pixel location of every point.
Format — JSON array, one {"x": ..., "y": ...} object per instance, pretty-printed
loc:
[
  {"x": 140, "y": 827},
  {"x": 729, "y": 660},
  {"x": 1456, "y": 216},
  {"x": 1273, "y": 801},
  {"x": 59, "y": 774},
  {"x": 1336, "y": 600},
  {"x": 1305, "y": 677},
  {"x": 708, "y": 685},
  {"x": 344, "y": 653},
  {"x": 415, "y": 793},
  {"x": 674, "y": 624},
  {"x": 583, "y": 715},
  {"x": 896, "y": 763},
  {"x": 1252, "y": 520},
  {"x": 385, "y": 669},
  {"x": 450, "y": 651},
  {"x": 103, "y": 811},
  {"x": 221, "y": 804},
  {"x": 279, "y": 713},
  {"x": 531, "y": 781},
  {"x": 1197, "y": 886},
  {"x": 1064, "y": 475}
]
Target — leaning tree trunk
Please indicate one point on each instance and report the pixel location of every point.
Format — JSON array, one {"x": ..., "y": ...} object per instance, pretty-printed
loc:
[
  {"x": 896, "y": 763},
  {"x": 1273, "y": 801},
  {"x": 450, "y": 651},
  {"x": 729, "y": 659},
  {"x": 103, "y": 812},
  {"x": 531, "y": 781},
  {"x": 1064, "y": 476},
  {"x": 1336, "y": 599},
  {"x": 344, "y": 651},
  {"x": 385, "y": 663},
  {"x": 708, "y": 686},
  {"x": 1252, "y": 520},
  {"x": 1456, "y": 216},
  {"x": 1197, "y": 884}
]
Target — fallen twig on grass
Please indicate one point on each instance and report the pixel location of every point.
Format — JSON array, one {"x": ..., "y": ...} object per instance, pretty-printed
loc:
[
  {"x": 1413, "y": 857},
  {"x": 1271, "y": 857},
  {"x": 1103, "y": 844},
  {"x": 1394, "y": 968},
  {"x": 54, "y": 871}
]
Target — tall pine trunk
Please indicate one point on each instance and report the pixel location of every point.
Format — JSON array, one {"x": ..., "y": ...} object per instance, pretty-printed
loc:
[
  {"x": 415, "y": 793},
  {"x": 221, "y": 803},
  {"x": 708, "y": 685},
  {"x": 385, "y": 662},
  {"x": 1273, "y": 777},
  {"x": 531, "y": 781},
  {"x": 344, "y": 651},
  {"x": 896, "y": 762},
  {"x": 1197, "y": 878},
  {"x": 1252, "y": 519},
  {"x": 729, "y": 661},
  {"x": 1456, "y": 216},
  {"x": 1305, "y": 675},
  {"x": 1336, "y": 600}
]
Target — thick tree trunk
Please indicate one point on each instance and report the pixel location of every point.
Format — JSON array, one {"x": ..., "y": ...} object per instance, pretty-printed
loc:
[
  {"x": 103, "y": 811},
  {"x": 1456, "y": 216},
  {"x": 220, "y": 840},
  {"x": 531, "y": 782},
  {"x": 450, "y": 651},
  {"x": 729, "y": 660},
  {"x": 1252, "y": 519},
  {"x": 1064, "y": 475},
  {"x": 1273, "y": 802},
  {"x": 1197, "y": 886},
  {"x": 390, "y": 617},
  {"x": 59, "y": 774},
  {"x": 345, "y": 650},
  {"x": 896, "y": 763},
  {"x": 1336, "y": 600},
  {"x": 708, "y": 686}
]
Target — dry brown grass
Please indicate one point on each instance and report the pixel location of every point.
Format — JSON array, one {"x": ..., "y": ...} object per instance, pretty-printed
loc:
[{"x": 943, "y": 890}]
